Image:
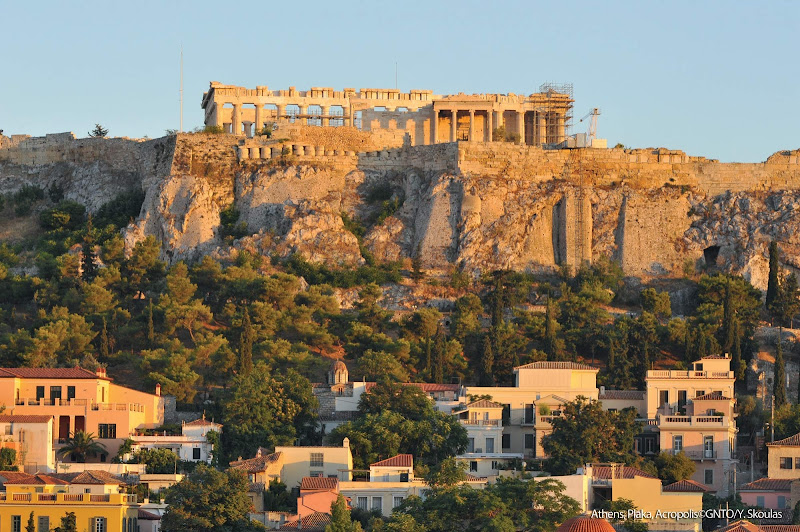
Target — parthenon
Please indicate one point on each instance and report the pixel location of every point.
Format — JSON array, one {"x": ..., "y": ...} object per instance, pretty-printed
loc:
[{"x": 539, "y": 119}]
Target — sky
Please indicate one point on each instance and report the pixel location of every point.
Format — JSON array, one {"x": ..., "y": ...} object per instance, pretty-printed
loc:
[{"x": 712, "y": 78}]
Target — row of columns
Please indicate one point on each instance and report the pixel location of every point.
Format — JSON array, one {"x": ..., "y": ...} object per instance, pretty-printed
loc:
[
  {"x": 236, "y": 121},
  {"x": 540, "y": 133}
]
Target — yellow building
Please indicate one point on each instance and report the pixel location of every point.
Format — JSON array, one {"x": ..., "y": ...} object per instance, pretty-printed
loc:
[
  {"x": 93, "y": 497},
  {"x": 784, "y": 458},
  {"x": 80, "y": 400}
]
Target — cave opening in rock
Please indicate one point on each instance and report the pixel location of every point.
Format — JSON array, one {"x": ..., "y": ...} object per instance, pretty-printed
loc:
[{"x": 710, "y": 255}]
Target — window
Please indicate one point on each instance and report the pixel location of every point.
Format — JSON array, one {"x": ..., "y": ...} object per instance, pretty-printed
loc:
[
  {"x": 529, "y": 441},
  {"x": 377, "y": 503},
  {"x": 196, "y": 453},
  {"x": 361, "y": 503},
  {"x": 396, "y": 501},
  {"x": 708, "y": 447},
  {"x": 709, "y": 477},
  {"x": 681, "y": 399},
  {"x": 700, "y": 393},
  {"x": 677, "y": 443},
  {"x": 43, "y": 524},
  {"x": 781, "y": 502},
  {"x": 99, "y": 524},
  {"x": 506, "y": 415},
  {"x": 663, "y": 398},
  {"x": 786, "y": 463},
  {"x": 506, "y": 441},
  {"x": 529, "y": 417},
  {"x": 471, "y": 445},
  {"x": 760, "y": 501},
  {"x": 797, "y": 463},
  {"x": 489, "y": 445},
  {"x": 107, "y": 430},
  {"x": 315, "y": 473},
  {"x": 495, "y": 465},
  {"x": 55, "y": 392},
  {"x": 649, "y": 446},
  {"x": 317, "y": 460},
  {"x": 16, "y": 523},
  {"x": 70, "y": 392},
  {"x": 473, "y": 466},
  {"x": 8, "y": 430},
  {"x": 39, "y": 393}
]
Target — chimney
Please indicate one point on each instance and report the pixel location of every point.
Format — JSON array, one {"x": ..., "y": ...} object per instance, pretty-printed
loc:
[
  {"x": 602, "y": 390},
  {"x": 101, "y": 372},
  {"x": 158, "y": 390},
  {"x": 346, "y": 443}
]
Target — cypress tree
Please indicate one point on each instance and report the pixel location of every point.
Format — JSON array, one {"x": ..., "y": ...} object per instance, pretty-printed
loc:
[
  {"x": 104, "y": 342},
  {"x": 739, "y": 365},
  {"x": 487, "y": 362},
  {"x": 550, "y": 340},
  {"x": 440, "y": 349},
  {"x": 772, "y": 283},
  {"x": 246, "y": 344},
  {"x": 779, "y": 384},
  {"x": 88, "y": 255},
  {"x": 728, "y": 326},
  {"x": 151, "y": 330}
]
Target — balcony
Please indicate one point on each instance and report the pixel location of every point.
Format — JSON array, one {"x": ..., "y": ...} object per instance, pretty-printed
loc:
[
  {"x": 701, "y": 455},
  {"x": 683, "y": 374},
  {"x": 692, "y": 421},
  {"x": 74, "y": 498},
  {"x": 51, "y": 402},
  {"x": 481, "y": 422}
]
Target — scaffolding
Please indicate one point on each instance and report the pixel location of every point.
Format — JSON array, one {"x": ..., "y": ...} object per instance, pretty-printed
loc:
[{"x": 556, "y": 105}]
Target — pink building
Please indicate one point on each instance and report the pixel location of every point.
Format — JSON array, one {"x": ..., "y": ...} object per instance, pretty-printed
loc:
[{"x": 774, "y": 493}]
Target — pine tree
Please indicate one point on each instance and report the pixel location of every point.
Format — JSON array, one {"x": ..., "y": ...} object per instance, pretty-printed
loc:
[
  {"x": 151, "y": 331},
  {"x": 428, "y": 350},
  {"x": 439, "y": 348},
  {"x": 739, "y": 365},
  {"x": 340, "y": 518},
  {"x": 104, "y": 351},
  {"x": 772, "y": 282},
  {"x": 68, "y": 523},
  {"x": 88, "y": 254},
  {"x": 246, "y": 344},
  {"x": 779, "y": 383},
  {"x": 487, "y": 362},
  {"x": 416, "y": 267}
]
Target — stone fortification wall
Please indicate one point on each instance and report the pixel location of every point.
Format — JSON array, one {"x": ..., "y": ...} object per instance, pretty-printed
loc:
[{"x": 343, "y": 138}]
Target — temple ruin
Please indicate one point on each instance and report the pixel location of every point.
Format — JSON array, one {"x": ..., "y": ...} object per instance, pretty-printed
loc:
[{"x": 539, "y": 119}]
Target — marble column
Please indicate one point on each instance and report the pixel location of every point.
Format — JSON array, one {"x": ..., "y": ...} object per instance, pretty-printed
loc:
[
  {"x": 454, "y": 126},
  {"x": 488, "y": 125},
  {"x": 471, "y": 125},
  {"x": 435, "y": 127},
  {"x": 259, "y": 122},
  {"x": 521, "y": 126},
  {"x": 236, "y": 121}
]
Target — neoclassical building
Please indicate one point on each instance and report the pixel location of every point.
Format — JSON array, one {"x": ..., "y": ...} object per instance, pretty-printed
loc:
[{"x": 537, "y": 119}]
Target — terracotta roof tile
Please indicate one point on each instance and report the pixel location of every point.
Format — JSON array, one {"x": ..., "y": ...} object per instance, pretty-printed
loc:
[
  {"x": 769, "y": 484},
  {"x": 400, "y": 460},
  {"x": 556, "y": 365},
  {"x": 200, "y": 423},
  {"x": 791, "y": 441},
  {"x": 258, "y": 464},
  {"x": 90, "y": 476},
  {"x": 585, "y": 523},
  {"x": 482, "y": 403},
  {"x": 148, "y": 516},
  {"x": 604, "y": 472},
  {"x": 313, "y": 522},
  {"x": 319, "y": 483},
  {"x": 780, "y": 528},
  {"x": 713, "y": 396},
  {"x": 740, "y": 526},
  {"x": 16, "y": 418},
  {"x": 686, "y": 485},
  {"x": 49, "y": 373},
  {"x": 37, "y": 479},
  {"x": 472, "y": 478},
  {"x": 10, "y": 476},
  {"x": 627, "y": 395}
]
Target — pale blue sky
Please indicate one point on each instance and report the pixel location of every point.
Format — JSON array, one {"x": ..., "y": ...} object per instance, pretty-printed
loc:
[{"x": 720, "y": 79}]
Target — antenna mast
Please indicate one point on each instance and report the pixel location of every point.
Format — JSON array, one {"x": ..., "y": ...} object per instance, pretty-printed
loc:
[{"x": 181, "y": 92}]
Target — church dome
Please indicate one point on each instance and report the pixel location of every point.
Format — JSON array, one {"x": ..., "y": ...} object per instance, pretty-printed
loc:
[
  {"x": 585, "y": 523},
  {"x": 337, "y": 365}
]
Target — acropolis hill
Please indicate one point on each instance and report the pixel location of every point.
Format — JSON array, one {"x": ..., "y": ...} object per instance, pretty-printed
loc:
[{"x": 479, "y": 204}]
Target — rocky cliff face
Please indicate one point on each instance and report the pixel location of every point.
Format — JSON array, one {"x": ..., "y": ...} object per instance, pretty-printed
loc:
[{"x": 479, "y": 208}]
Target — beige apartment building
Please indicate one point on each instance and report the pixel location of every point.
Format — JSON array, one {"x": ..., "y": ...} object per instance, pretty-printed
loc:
[
  {"x": 31, "y": 437},
  {"x": 80, "y": 400},
  {"x": 784, "y": 458},
  {"x": 537, "y": 119},
  {"x": 483, "y": 420},
  {"x": 692, "y": 411},
  {"x": 530, "y": 405}
]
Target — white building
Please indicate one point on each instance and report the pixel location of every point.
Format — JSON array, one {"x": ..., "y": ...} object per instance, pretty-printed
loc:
[
  {"x": 483, "y": 421},
  {"x": 191, "y": 445}
]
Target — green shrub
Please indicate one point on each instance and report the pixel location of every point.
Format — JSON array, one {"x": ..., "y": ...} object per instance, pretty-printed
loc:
[
  {"x": 216, "y": 130},
  {"x": 230, "y": 227},
  {"x": 120, "y": 210},
  {"x": 66, "y": 215}
]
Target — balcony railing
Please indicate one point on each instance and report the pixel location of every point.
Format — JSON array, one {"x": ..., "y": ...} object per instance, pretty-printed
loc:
[
  {"x": 481, "y": 422},
  {"x": 683, "y": 374},
  {"x": 693, "y": 420},
  {"x": 61, "y": 497},
  {"x": 701, "y": 455}
]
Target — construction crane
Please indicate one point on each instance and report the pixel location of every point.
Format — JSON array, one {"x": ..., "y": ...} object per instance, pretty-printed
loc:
[{"x": 594, "y": 113}]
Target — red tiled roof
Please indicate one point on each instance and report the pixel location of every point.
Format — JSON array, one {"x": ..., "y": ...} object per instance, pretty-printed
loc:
[
  {"x": 604, "y": 472},
  {"x": 314, "y": 522},
  {"x": 148, "y": 516},
  {"x": 90, "y": 476},
  {"x": 16, "y": 418},
  {"x": 791, "y": 441},
  {"x": 37, "y": 479},
  {"x": 713, "y": 396},
  {"x": 200, "y": 423},
  {"x": 686, "y": 485},
  {"x": 741, "y": 526},
  {"x": 319, "y": 483},
  {"x": 780, "y": 528},
  {"x": 769, "y": 484},
  {"x": 400, "y": 460},
  {"x": 257, "y": 464},
  {"x": 426, "y": 387},
  {"x": 49, "y": 373},
  {"x": 627, "y": 395},
  {"x": 585, "y": 523},
  {"x": 9, "y": 476},
  {"x": 555, "y": 365},
  {"x": 482, "y": 403},
  {"x": 472, "y": 478}
]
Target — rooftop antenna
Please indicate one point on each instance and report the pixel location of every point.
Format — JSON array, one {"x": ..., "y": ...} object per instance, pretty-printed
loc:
[{"x": 181, "y": 92}]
